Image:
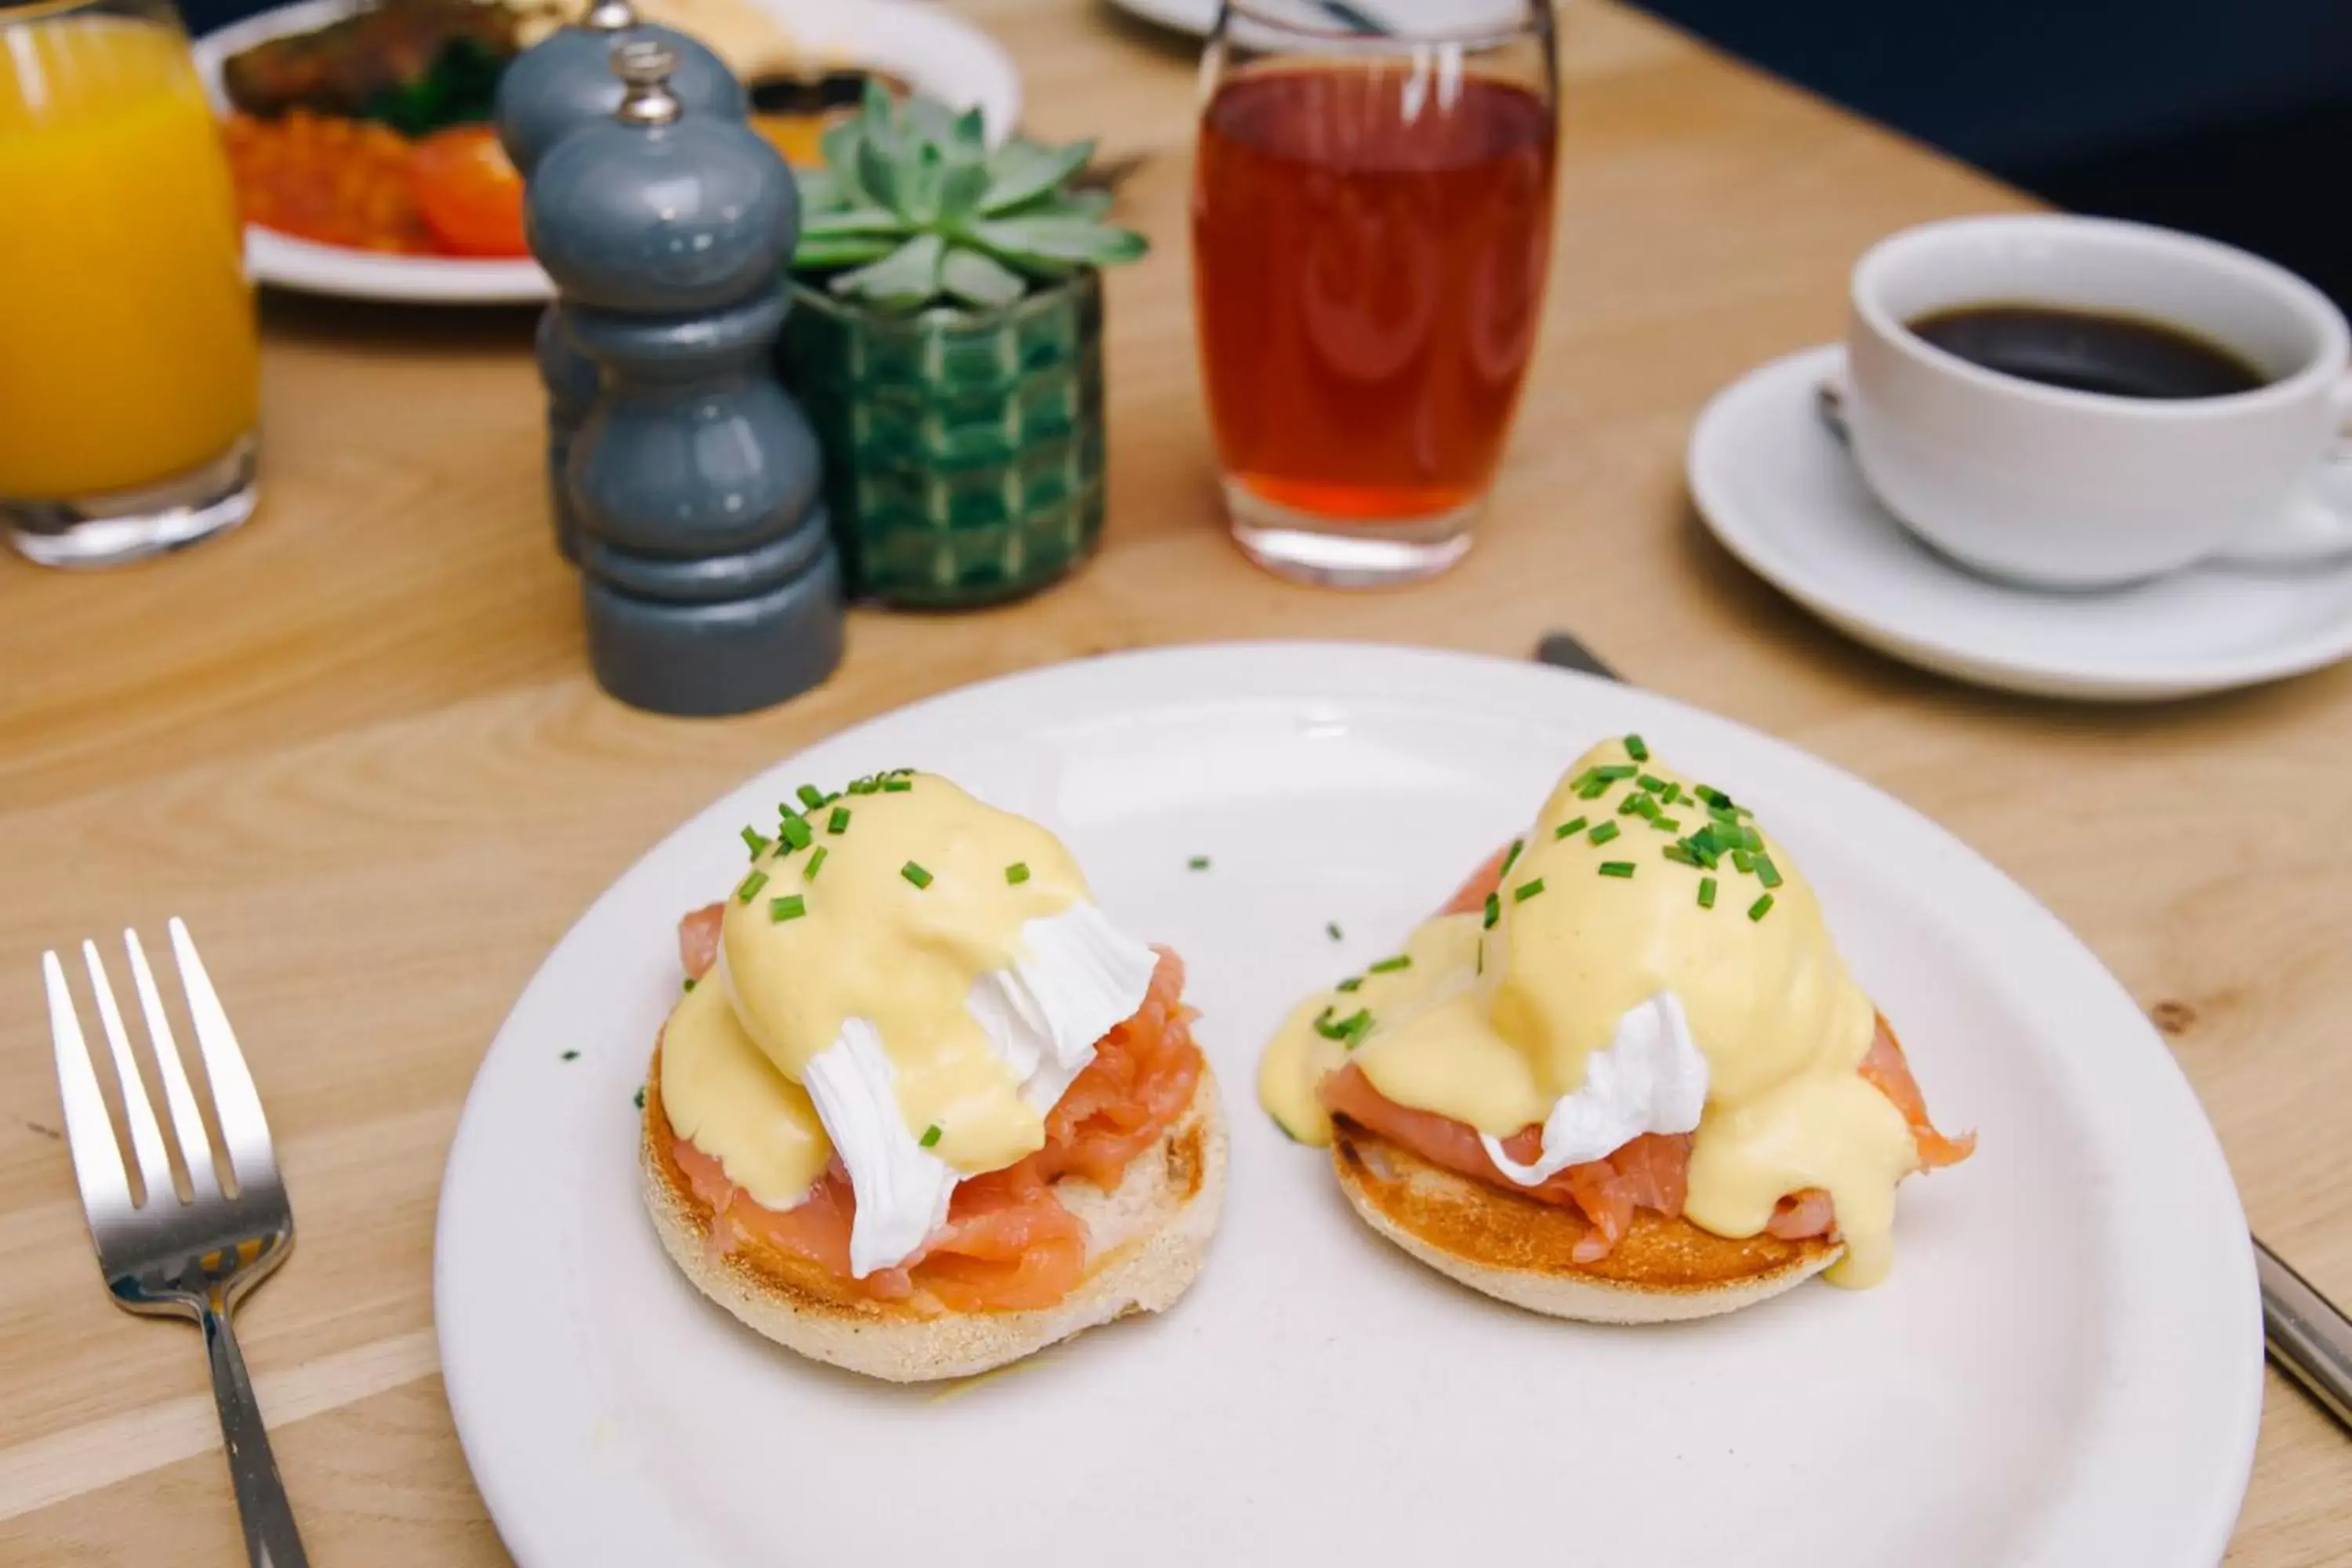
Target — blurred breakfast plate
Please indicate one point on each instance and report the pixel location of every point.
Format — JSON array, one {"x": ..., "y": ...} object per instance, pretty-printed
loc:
[
  {"x": 1777, "y": 490},
  {"x": 920, "y": 44},
  {"x": 2065, "y": 1367}
]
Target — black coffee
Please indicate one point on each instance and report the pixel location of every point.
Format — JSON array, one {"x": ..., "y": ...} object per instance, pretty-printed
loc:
[{"x": 2121, "y": 356}]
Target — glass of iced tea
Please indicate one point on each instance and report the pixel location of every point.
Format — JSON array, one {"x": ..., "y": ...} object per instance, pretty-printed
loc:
[{"x": 1371, "y": 228}]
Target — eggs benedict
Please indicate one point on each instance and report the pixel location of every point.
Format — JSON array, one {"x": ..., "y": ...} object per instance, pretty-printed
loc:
[
  {"x": 1625, "y": 1075},
  {"x": 921, "y": 1109}
]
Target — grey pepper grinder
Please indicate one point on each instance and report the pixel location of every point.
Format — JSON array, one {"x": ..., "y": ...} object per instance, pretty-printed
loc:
[
  {"x": 706, "y": 569},
  {"x": 558, "y": 85}
]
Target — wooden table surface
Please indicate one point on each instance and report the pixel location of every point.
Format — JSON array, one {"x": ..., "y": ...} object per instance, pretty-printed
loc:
[{"x": 356, "y": 745}]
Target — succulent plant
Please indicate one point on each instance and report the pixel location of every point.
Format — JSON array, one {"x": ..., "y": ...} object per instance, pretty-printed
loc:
[{"x": 913, "y": 209}]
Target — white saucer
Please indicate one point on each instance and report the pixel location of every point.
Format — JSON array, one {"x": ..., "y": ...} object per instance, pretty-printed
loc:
[{"x": 1778, "y": 490}]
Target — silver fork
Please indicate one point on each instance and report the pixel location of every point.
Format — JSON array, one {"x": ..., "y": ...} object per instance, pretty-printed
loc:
[{"x": 165, "y": 1256}]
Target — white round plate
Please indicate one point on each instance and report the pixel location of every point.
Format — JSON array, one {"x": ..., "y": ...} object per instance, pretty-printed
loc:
[
  {"x": 1778, "y": 490},
  {"x": 930, "y": 48},
  {"x": 2064, "y": 1369}
]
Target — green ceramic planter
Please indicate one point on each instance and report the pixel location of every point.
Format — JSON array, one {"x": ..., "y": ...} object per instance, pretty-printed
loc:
[{"x": 963, "y": 450}]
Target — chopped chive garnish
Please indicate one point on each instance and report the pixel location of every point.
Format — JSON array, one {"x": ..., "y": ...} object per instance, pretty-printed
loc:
[
  {"x": 1016, "y": 873},
  {"x": 1637, "y": 804},
  {"x": 863, "y": 786},
  {"x": 1594, "y": 790},
  {"x": 1494, "y": 911},
  {"x": 930, "y": 1138},
  {"x": 1679, "y": 854},
  {"x": 1351, "y": 1028},
  {"x": 1710, "y": 794},
  {"x": 1198, "y": 863},
  {"x": 755, "y": 842},
  {"x": 1615, "y": 771},
  {"x": 689, "y": 982},
  {"x": 811, "y": 797},
  {"x": 915, "y": 874},
  {"x": 795, "y": 831},
  {"x": 1356, "y": 1028},
  {"x": 1586, "y": 779},
  {"x": 1652, "y": 783},
  {"x": 1512, "y": 858},
  {"x": 1391, "y": 966},
  {"x": 1603, "y": 834},
  {"x": 839, "y": 821},
  {"x": 1765, "y": 872},
  {"x": 1743, "y": 860},
  {"x": 897, "y": 786},
  {"x": 1636, "y": 749},
  {"x": 750, "y": 886},
  {"x": 1761, "y": 908},
  {"x": 1617, "y": 869},
  {"x": 790, "y": 907},
  {"x": 1707, "y": 892},
  {"x": 1525, "y": 891},
  {"x": 1754, "y": 839},
  {"x": 1331, "y": 929},
  {"x": 1665, "y": 823},
  {"x": 641, "y": 1097},
  {"x": 815, "y": 864},
  {"x": 572, "y": 1055},
  {"x": 1570, "y": 828},
  {"x": 1353, "y": 981}
]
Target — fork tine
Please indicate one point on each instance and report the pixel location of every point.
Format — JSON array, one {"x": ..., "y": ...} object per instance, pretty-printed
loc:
[
  {"x": 146, "y": 1137},
  {"x": 98, "y": 1162},
  {"x": 187, "y": 1123},
  {"x": 244, "y": 1129}
]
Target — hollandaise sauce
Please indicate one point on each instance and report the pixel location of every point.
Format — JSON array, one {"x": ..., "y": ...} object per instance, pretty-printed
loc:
[
  {"x": 1633, "y": 882},
  {"x": 907, "y": 979}
]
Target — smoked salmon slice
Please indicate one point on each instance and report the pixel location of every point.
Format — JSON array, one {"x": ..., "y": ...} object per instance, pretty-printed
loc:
[
  {"x": 1652, "y": 1171},
  {"x": 1009, "y": 1242}
]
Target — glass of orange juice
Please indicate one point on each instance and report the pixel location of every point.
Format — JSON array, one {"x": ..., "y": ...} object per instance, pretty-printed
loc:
[{"x": 129, "y": 366}]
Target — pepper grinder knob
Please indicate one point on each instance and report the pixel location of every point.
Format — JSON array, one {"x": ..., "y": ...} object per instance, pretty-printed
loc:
[{"x": 645, "y": 66}]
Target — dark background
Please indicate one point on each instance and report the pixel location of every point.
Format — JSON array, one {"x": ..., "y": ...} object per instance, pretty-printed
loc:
[{"x": 2231, "y": 118}]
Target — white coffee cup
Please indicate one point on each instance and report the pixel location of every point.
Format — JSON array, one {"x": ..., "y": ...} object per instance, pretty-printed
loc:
[{"x": 2056, "y": 487}]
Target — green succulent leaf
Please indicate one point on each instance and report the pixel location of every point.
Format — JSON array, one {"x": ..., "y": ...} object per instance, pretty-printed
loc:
[
  {"x": 906, "y": 280},
  {"x": 961, "y": 188},
  {"x": 825, "y": 251},
  {"x": 977, "y": 278},
  {"x": 857, "y": 220},
  {"x": 888, "y": 182},
  {"x": 1023, "y": 171},
  {"x": 876, "y": 114},
  {"x": 971, "y": 131},
  {"x": 1059, "y": 242},
  {"x": 839, "y": 145},
  {"x": 820, "y": 192},
  {"x": 929, "y": 118}
]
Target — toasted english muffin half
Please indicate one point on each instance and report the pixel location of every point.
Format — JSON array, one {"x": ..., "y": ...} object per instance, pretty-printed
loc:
[
  {"x": 1518, "y": 1250},
  {"x": 1146, "y": 1241}
]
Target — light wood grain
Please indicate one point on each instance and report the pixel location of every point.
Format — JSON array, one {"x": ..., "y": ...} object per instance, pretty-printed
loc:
[{"x": 356, "y": 746}]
